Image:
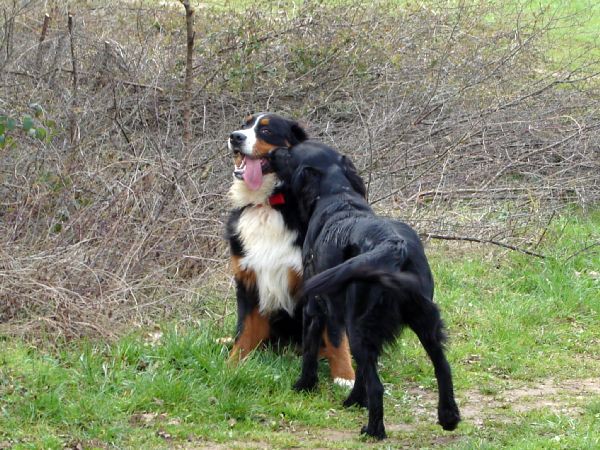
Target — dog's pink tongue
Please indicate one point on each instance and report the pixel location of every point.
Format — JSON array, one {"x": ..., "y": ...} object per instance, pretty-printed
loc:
[{"x": 253, "y": 174}]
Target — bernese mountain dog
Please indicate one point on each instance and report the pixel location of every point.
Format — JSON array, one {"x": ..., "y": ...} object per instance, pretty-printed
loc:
[
  {"x": 265, "y": 239},
  {"x": 364, "y": 273}
]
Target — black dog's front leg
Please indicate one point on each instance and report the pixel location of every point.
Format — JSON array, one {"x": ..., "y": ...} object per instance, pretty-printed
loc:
[{"x": 313, "y": 325}]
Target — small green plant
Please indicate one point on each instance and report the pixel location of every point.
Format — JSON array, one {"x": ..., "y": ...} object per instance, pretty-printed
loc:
[
  {"x": 34, "y": 125},
  {"x": 7, "y": 124}
]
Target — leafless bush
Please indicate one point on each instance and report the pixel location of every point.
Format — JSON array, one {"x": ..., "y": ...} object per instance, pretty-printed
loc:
[{"x": 459, "y": 124}]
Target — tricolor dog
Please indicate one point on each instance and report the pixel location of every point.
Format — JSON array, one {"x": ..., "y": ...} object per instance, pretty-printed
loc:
[{"x": 265, "y": 240}]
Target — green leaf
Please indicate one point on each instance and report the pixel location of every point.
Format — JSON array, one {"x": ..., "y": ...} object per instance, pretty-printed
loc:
[
  {"x": 11, "y": 124},
  {"x": 27, "y": 123},
  {"x": 2, "y": 140},
  {"x": 40, "y": 133}
]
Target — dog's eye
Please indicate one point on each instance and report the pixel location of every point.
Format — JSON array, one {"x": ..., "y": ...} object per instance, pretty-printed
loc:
[{"x": 265, "y": 131}]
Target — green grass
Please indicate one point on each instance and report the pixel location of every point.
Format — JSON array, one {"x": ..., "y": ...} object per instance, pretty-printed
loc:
[
  {"x": 515, "y": 322},
  {"x": 576, "y": 20},
  {"x": 574, "y": 36}
]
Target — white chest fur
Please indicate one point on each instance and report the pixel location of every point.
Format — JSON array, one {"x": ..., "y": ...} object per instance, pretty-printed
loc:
[{"x": 270, "y": 252}]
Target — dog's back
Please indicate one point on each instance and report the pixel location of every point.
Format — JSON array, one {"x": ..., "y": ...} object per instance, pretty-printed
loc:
[
  {"x": 346, "y": 238},
  {"x": 364, "y": 246}
]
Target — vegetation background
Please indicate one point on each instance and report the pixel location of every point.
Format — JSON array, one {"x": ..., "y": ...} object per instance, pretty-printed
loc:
[{"x": 476, "y": 122}]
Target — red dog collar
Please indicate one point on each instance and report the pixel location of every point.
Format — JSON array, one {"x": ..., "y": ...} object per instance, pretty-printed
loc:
[{"x": 276, "y": 199}]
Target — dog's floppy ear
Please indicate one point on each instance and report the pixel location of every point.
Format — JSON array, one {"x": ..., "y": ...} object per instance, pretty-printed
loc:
[
  {"x": 305, "y": 186},
  {"x": 305, "y": 177},
  {"x": 353, "y": 177},
  {"x": 279, "y": 161},
  {"x": 297, "y": 182},
  {"x": 297, "y": 134}
]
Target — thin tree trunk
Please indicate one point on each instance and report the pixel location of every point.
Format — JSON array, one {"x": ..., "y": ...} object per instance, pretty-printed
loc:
[{"x": 187, "y": 94}]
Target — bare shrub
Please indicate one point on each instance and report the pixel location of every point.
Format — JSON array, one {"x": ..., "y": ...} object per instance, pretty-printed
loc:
[{"x": 456, "y": 117}]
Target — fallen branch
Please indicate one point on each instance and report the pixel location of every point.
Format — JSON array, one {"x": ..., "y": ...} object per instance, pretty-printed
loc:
[
  {"x": 583, "y": 250},
  {"x": 89, "y": 74},
  {"x": 467, "y": 192},
  {"x": 483, "y": 241}
]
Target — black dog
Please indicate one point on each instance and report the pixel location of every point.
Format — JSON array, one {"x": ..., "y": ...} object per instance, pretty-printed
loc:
[{"x": 369, "y": 274}]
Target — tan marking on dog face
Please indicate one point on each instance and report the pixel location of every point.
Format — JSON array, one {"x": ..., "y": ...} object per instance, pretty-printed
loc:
[
  {"x": 264, "y": 121},
  {"x": 262, "y": 148}
]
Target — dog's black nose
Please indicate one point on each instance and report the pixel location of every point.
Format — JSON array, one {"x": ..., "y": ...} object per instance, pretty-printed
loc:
[{"x": 236, "y": 138}]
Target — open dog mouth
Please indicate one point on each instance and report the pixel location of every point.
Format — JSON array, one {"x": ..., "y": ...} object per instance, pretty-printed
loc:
[{"x": 251, "y": 171}]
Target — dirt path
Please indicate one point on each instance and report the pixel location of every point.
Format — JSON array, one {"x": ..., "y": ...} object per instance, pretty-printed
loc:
[{"x": 565, "y": 397}]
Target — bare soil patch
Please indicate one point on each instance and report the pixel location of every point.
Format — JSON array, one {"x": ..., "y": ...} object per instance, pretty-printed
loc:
[{"x": 562, "y": 396}]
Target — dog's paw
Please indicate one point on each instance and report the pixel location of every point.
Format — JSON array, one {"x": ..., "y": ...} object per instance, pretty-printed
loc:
[
  {"x": 378, "y": 432},
  {"x": 227, "y": 340},
  {"x": 355, "y": 401},
  {"x": 343, "y": 382},
  {"x": 305, "y": 384},
  {"x": 448, "y": 417},
  {"x": 356, "y": 398}
]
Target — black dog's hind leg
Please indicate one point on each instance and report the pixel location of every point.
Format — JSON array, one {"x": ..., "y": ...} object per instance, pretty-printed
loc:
[
  {"x": 374, "y": 389},
  {"x": 312, "y": 328},
  {"x": 431, "y": 335},
  {"x": 358, "y": 394},
  {"x": 448, "y": 414},
  {"x": 366, "y": 356}
]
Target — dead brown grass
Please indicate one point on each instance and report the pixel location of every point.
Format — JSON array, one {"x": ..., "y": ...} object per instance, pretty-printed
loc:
[{"x": 460, "y": 125}]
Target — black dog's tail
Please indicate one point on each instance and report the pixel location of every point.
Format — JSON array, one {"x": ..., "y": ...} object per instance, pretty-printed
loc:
[
  {"x": 366, "y": 267},
  {"x": 334, "y": 279}
]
